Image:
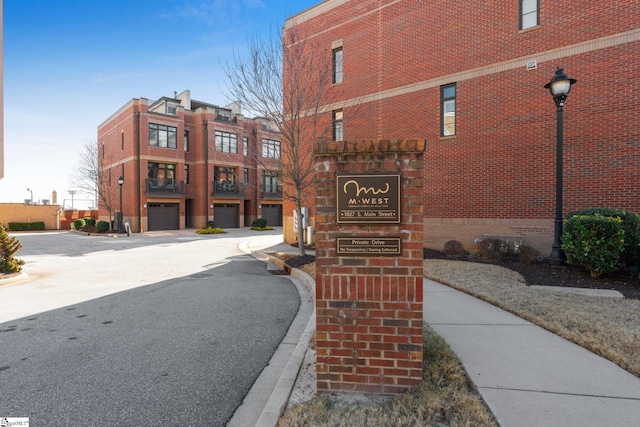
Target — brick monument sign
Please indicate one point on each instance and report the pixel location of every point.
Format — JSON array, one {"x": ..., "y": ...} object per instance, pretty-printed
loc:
[{"x": 369, "y": 241}]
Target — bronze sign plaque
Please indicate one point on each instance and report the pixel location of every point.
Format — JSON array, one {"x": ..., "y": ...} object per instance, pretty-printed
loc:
[
  {"x": 369, "y": 246},
  {"x": 368, "y": 199}
]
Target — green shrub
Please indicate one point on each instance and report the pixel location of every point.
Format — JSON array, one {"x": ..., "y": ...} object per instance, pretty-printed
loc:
[
  {"x": 211, "y": 224},
  {"x": 595, "y": 242},
  {"x": 454, "y": 248},
  {"x": 630, "y": 225},
  {"x": 26, "y": 226},
  {"x": 102, "y": 227},
  {"x": 79, "y": 223},
  {"x": 90, "y": 221},
  {"x": 267, "y": 228},
  {"x": 211, "y": 230},
  {"x": 8, "y": 247},
  {"x": 260, "y": 223}
]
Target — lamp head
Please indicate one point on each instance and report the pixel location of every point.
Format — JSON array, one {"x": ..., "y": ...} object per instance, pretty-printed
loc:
[{"x": 559, "y": 86}]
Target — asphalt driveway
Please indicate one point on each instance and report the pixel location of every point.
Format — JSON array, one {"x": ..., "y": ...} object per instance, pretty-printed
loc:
[{"x": 171, "y": 328}]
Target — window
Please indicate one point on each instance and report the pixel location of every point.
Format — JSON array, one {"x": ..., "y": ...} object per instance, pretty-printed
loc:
[
  {"x": 448, "y": 110},
  {"x": 245, "y": 145},
  {"x": 529, "y": 13},
  {"x": 269, "y": 182},
  {"x": 122, "y": 141},
  {"x": 226, "y": 142},
  {"x": 224, "y": 174},
  {"x": 186, "y": 140},
  {"x": 246, "y": 176},
  {"x": 186, "y": 174},
  {"x": 270, "y": 149},
  {"x": 163, "y": 136},
  {"x": 337, "y": 65},
  {"x": 164, "y": 173},
  {"x": 337, "y": 126}
]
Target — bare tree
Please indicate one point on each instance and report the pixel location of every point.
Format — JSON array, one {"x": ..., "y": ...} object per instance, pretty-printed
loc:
[
  {"x": 85, "y": 174},
  {"x": 284, "y": 80},
  {"x": 92, "y": 175}
]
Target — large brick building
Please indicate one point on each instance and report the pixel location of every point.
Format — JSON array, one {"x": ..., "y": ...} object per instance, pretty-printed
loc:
[
  {"x": 186, "y": 162},
  {"x": 469, "y": 77}
]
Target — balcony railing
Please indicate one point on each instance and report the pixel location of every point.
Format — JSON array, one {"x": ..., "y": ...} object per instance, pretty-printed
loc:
[
  {"x": 164, "y": 187},
  {"x": 274, "y": 193},
  {"x": 227, "y": 189}
]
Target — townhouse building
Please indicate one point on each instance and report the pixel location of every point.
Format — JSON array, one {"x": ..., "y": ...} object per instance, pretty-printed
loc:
[
  {"x": 469, "y": 77},
  {"x": 185, "y": 163}
]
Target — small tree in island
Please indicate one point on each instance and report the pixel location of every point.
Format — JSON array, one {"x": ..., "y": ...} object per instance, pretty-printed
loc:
[{"x": 8, "y": 247}]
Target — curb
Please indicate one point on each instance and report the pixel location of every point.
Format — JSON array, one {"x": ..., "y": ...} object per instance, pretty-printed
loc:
[
  {"x": 280, "y": 394},
  {"x": 13, "y": 279}
]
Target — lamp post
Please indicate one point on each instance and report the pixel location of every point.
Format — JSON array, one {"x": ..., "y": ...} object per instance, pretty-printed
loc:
[
  {"x": 72, "y": 192},
  {"x": 559, "y": 86},
  {"x": 31, "y": 199},
  {"x": 120, "y": 224}
]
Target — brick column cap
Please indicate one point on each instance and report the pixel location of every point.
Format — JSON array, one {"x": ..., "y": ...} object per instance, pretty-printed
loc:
[{"x": 380, "y": 146}]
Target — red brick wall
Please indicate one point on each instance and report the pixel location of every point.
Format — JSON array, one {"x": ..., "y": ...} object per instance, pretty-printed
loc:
[
  {"x": 369, "y": 309},
  {"x": 501, "y": 163}
]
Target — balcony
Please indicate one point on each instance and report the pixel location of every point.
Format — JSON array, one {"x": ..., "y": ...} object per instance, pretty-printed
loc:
[
  {"x": 164, "y": 187},
  {"x": 228, "y": 189},
  {"x": 274, "y": 194}
]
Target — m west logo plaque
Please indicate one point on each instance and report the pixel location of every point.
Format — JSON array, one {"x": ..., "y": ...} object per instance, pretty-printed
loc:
[{"x": 368, "y": 199}]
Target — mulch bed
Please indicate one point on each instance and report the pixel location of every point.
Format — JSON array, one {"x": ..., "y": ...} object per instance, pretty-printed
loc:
[
  {"x": 541, "y": 273},
  {"x": 544, "y": 273}
]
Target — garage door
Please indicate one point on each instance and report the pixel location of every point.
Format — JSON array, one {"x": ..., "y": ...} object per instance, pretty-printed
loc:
[
  {"x": 273, "y": 214},
  {"x": 226, "y": 215},
  {"x": 163, "y": 216}
]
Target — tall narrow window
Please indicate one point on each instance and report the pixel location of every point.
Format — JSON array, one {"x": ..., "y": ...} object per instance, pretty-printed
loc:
[
  {"x": 338, "y": 126},
  {"x": 186, "y": 140},
  {"x": 529, "y": 13},
  {"x": 186, "y": 174},
  {"x": 337, "y": 65},
  {"x": 448, "y": 110},
  {"x": 269, "y": 182},
  {"x": 122, "y": 140},
  {"x": 245, "y": 145}
]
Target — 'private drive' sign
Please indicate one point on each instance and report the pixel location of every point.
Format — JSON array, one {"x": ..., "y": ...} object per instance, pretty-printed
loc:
[{"x": 368, "y": 199}]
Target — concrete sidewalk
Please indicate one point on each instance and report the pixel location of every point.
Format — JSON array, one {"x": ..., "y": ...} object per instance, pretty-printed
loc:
[{"x": 527, "y": 375}]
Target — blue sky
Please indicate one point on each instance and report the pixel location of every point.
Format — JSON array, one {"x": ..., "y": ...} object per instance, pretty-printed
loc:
[{"x": 69, "y": 64}]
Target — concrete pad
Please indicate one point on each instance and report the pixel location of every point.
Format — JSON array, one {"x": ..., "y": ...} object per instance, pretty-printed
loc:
[
  {"x": 608, "y": 293},
  {"x": 446, "y": 306},
  {"x": 526, "y": 408}
]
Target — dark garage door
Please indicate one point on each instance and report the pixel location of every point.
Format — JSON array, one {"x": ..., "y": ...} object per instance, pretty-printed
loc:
[
  {"x": 226, "y": 215},
  {"x": 273, "y": 214},
  {"x": 163, "y": 216}
]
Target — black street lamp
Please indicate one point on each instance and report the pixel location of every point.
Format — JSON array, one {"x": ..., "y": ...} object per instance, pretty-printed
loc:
[
  {"x": 120, "y": 218},
  {"x": 559, "y": 86}
]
